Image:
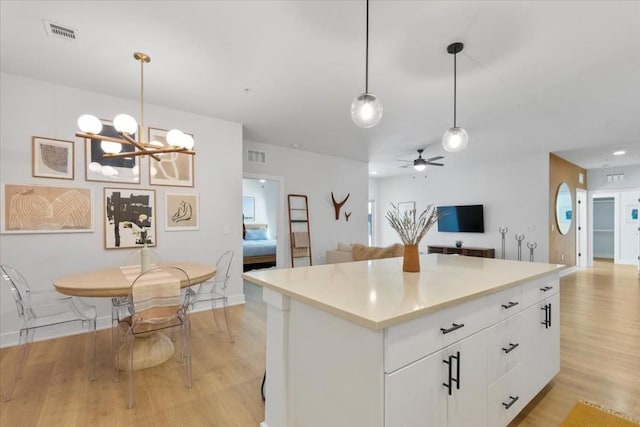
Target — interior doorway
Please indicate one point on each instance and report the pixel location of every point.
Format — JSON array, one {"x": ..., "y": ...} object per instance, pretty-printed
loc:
[
  {"x": 604, "y": 227},
  {"x": 261, "y": 212}
]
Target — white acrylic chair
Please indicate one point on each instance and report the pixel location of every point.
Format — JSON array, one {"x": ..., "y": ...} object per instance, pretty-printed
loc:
[
  {"x": 41, "y": 309},
  {"x": 157, "y": 304},
  {"x": 215, "y": 290}
]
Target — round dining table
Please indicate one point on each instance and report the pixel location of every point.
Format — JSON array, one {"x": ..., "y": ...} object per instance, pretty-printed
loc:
[
  {"x": 111, "y": 282},
  {"x": 149, "y": 350}
]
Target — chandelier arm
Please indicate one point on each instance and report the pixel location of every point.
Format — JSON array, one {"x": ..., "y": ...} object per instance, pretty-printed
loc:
[
  {"x": 138, "y": 145},
  {"x": 100, "y": 137}
]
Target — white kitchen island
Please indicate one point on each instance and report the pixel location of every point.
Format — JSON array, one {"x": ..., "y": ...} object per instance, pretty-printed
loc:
[{"x": 465, "y": 342}]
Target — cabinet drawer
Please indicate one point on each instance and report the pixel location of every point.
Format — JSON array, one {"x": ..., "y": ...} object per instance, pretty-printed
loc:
[
  {"x": 504, "y": 304},
  {"x": 506, "y": 397},
  {"x": 504, "y": 347},
  {"x": 412, "y": 340},
  {"x": 540, "y": 289}
]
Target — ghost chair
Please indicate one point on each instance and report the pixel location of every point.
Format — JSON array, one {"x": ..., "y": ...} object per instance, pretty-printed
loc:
[
  {"x": 120, "y": 305},
  {"x": 156, "y": 305},
  {"x": 42, "y": 309},
  {"x": 215, "y": 290}
]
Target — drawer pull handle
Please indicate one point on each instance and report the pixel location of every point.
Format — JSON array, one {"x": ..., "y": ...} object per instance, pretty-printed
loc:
[
  {"x": 546, "y": 288},
  {"x": 450, "y": 380},
  {"x": 512, "y": 400},
  {"x": 511, "y": 348},
  {"x": 452, "y": 328},
  {"x": 448, "y": 383},
  {"x": 547, "y": 316},
  {"x": 511, "y": 304}
]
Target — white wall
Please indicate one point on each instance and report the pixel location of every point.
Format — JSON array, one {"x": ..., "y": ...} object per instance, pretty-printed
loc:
[
  {"x": 514, "y": 194},
  {"x": 31, "y": 107},
  {"x": 597, "y": 178},
  {"x": 316, "y": 176}
]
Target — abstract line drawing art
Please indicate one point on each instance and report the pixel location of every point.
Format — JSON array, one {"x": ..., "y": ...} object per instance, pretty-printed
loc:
[
  {"x": 173, "y": 169},
  {"x": 52, "y": 158},
  {"x": 45, "y": 209},
  {"x": 181, "y": 211}
]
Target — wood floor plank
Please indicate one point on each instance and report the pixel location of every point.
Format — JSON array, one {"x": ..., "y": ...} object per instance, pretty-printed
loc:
[{"x": 600, "y": 361}]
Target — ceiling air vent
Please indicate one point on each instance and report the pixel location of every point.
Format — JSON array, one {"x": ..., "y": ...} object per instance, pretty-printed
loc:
[
  {"x": 255, "y": 156},
  {"x": 60, "y": 31}
]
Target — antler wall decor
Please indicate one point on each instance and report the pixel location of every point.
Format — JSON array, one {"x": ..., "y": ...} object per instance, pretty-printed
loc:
[
  {"x": 337, "y": 206},
  {"x": 347, "y": 215}
]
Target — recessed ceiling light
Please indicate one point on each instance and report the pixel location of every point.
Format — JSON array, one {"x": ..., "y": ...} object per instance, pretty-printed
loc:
[
  {"x": 374, "y": 173},
  {"x": 619, "y": 152}
]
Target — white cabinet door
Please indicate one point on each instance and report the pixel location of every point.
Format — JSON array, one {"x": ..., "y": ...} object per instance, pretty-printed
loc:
[
  {"x": 467, "y": 405},
  {"x": 415, "y": 395},
  {"x": 448, "y": 388},
  {"x": 542, "y": 349}
]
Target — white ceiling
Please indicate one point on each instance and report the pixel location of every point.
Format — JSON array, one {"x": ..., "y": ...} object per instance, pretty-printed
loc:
[{"x": 558, "y": 76}]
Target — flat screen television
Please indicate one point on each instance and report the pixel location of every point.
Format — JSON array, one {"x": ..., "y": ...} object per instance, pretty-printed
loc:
[{"x": 461, "y": 219}]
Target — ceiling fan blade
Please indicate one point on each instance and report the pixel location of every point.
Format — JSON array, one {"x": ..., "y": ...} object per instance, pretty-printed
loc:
[
  {"x": 435, "y": 158},
  {"x": 435, "y": 164},
  {"x": 401, "y": 160},
  {"x": 406, "y": 166}
]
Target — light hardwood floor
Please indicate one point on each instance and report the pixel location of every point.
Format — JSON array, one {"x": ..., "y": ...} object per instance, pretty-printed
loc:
[{"x": 600, "y": 351}]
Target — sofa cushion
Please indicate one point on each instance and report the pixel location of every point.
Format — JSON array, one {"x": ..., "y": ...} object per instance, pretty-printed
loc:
[
  {"x": 346, "y": 247},
  {"x": 362, "y": 252}
]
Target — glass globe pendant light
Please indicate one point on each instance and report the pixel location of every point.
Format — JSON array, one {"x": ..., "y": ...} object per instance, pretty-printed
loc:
[
  {"x": 456, "y": 138},
  {"x": 366, "y": 109}
]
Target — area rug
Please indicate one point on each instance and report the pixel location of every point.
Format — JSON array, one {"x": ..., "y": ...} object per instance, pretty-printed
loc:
[{"x": 589, "y": 414}]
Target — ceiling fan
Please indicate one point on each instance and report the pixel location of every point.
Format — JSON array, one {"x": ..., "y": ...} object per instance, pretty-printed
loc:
[{"x": 420, "y": 164}]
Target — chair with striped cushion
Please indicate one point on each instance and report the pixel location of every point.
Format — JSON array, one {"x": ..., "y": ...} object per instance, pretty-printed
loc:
[
  {"x": 156, "y": 304},
  {"x": 120, "y": 305}
]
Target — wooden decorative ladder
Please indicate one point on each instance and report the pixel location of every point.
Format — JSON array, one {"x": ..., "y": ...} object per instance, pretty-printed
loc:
[{"x": 299, "y": 231}]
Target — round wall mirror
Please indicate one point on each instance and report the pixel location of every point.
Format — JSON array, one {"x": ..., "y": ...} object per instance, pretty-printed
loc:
[{"x": 564, "y": 208}]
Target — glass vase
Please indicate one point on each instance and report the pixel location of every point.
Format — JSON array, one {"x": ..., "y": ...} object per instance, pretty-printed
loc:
[{"x": 145, "y": 259}]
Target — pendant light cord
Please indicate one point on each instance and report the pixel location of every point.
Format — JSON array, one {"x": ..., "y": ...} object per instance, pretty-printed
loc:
[
  {"x": 455, "y": 55},
  {"x": 141, "y": 130},
  {"x": 366, "y": 61}
]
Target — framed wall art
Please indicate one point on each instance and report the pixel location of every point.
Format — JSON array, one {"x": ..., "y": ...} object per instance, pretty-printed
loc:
[
  {"x": 99, "y": 168},
  {"x": 405, "y": 207},
  {"x": 46, "y": 209},
  {"x": 249, "y": 209},
  {"x": 52, "y": 158},
  {"x": 173, "y": 169},
  {"x": 129, "y": 218},
  {"x": 181, "y": 211}
]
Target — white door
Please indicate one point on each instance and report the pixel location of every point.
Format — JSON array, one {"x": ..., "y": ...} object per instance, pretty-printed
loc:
[
  {"x": 415, "y": 395},
  {"x": 467, "y": 405},
  {"x": 581, "y": 229}
]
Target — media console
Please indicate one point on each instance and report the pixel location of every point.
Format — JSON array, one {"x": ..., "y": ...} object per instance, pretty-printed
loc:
[{"x": 467, "y": 251}]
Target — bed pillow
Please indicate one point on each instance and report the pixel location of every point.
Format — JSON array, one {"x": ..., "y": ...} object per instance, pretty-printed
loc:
[{"x": 260, "y": 234}]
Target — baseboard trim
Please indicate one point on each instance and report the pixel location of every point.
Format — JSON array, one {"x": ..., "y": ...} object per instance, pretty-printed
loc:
[{"x": 11, "y": 338}]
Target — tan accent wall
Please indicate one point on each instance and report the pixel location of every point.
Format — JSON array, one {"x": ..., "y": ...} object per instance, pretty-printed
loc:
[{"x": 562, "y": 247}]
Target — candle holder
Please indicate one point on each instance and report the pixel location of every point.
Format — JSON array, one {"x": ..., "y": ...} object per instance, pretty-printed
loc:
[
  {"x": 503, "y": 231},
  {"x": 519, "y": 238},
  {"x": 531, "y": 247}
]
